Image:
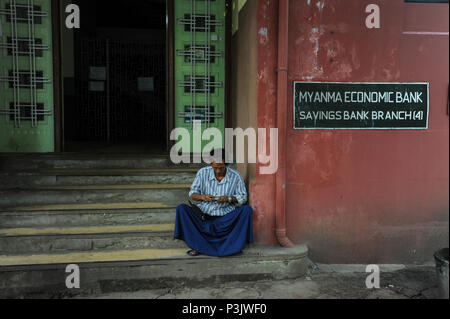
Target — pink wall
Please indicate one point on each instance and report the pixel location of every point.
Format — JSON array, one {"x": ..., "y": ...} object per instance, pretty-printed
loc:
[{"x": 359, "y": 195}]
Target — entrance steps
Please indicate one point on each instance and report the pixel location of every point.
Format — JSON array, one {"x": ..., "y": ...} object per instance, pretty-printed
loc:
[
  {"x": 114, "y": 217},
  {"x": 43, "y": 276}
]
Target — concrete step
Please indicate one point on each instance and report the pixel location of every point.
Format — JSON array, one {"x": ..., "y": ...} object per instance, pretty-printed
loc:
[
  {"x": 20, "y": 162},
  {"x": 23, "y": 179},
  {"x": 165, "y": 194},
  {"x": 64, "y": 161},
  {"x": 79, "y": 215},
  {"x": 91, "y": 239},
  {"x": 19, "y": 232},
  {"x": 44, "y": 275}
]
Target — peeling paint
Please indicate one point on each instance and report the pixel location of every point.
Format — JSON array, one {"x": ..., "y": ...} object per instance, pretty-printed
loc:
[
  {"x": 355, "y": 58},
  {"x": 320, "y": 5},
  {"x": 318, "y": 70},
  {"x": 263, "y": 33},
  {"x": 331, "y": 53}
]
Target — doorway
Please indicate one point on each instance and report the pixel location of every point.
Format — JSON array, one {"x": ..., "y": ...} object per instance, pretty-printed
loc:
[{"x": 115, "y": 77}]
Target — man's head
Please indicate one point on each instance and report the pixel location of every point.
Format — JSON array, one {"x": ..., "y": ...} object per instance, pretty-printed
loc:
[{"x": 218, "y": 162}]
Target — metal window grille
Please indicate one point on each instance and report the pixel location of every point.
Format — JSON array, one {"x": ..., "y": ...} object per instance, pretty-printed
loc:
[
  {"x": 23, "y": 46},
  {"x": 26, "y": 111},
  {"x": 26, "y": 79},
  {"x": 200, "y": 52},
  {"x": 199, "y": 114},
  {"x": 200, "y": 84},
  {"x": 23, "y": 13}
]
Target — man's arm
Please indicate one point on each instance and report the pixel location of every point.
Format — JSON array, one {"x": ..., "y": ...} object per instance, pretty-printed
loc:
[
  {"x": 197, "y": 190},
  {"x": 203, "y": 198},
  {"x": 227, "y": 199},
  {"x": 240, "y": 193}
]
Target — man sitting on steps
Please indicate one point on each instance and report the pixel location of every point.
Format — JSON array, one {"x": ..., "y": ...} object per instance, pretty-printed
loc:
[{"x": 228, "y": 227}]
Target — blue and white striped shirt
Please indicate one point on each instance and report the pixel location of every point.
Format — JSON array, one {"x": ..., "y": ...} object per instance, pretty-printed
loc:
[{"x": 206, "y": 183}]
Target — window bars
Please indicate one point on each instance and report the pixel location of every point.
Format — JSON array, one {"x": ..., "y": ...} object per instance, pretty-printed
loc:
[
  {"x": 196, "y": 54},
  {"x": 20, "y": 80}
]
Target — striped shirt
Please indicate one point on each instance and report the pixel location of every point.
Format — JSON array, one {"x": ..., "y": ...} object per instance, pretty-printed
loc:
[{"x": 206, "y": 183}]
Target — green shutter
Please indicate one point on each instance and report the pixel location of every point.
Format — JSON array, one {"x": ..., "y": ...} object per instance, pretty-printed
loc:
[
  {"x": 200, "y": 65},
  {"x": 26, "y": 71}
]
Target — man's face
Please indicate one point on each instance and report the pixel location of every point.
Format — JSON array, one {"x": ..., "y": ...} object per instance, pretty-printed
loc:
[{"x": 220, "y": 169}]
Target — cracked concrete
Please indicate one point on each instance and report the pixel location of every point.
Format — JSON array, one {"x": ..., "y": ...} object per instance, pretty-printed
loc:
[{"x": 322, "y": 282}]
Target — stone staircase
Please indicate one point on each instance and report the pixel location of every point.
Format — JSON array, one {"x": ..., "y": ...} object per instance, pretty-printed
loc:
[{"x": 113, "y": 216}]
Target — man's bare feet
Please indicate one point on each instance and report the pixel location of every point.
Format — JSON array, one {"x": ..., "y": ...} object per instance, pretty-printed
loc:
[{"x": 193, "y": 253}]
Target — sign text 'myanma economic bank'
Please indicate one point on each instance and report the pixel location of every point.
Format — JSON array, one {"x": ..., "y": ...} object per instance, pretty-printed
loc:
[{"x": 361, "y": 105}]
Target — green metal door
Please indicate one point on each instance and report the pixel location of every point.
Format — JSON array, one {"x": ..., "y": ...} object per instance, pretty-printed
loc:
[
  {"x": 200, "y": 68},
  {"x": 26, "y": 71}
]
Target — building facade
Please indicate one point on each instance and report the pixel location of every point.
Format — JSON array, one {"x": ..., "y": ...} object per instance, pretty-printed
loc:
[{"x": 352, "y": 195}]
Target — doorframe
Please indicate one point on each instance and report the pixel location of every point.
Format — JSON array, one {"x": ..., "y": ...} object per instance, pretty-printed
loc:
[
  {"x": 170, "y": 54},
  {"x": 228, "y": 39},
  {"x": 57, "y": 81}
]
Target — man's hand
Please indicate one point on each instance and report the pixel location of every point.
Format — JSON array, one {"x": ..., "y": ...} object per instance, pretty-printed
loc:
[
  {"x": 223, "y": 199},
  {"x": 208, "y": 198},
  {"x": 203, "y": 198}
]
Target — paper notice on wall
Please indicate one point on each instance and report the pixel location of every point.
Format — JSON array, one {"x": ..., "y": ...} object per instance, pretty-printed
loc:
[
  {"x": 96, "y": 86},
  {"x": 97, "y": 73},
  {"x": 146, "y": 84}
]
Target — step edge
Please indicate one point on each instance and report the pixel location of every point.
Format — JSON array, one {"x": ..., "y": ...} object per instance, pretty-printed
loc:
[
  {"x": 90, "y": 206},
  {"x": 99, "y": 187},
  {"x": 96, "y": 172},
  {"x": 6, "y": 213},
  {"x": 144, "y": 262},
  {"x": 150, "y": 233},
  {"x": 66, "y": 230}
]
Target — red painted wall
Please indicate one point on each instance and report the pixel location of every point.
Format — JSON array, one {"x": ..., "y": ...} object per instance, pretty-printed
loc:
[{"x": 359, "y": 195}]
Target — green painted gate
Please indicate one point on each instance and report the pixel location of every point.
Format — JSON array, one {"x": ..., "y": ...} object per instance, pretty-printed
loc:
[
  {"x": 26, "y": 71},
  {"x": 200, "y": 67}
]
